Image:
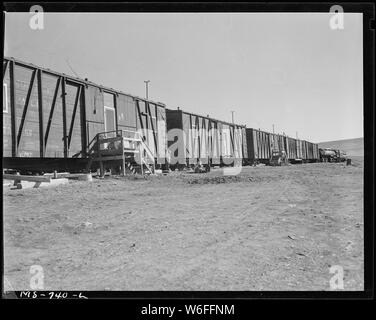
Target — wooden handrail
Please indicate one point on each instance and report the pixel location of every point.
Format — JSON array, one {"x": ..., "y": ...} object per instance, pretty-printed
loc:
[
  {"x": 148, "y": 151},
  {"x": 138, "y": 146}
]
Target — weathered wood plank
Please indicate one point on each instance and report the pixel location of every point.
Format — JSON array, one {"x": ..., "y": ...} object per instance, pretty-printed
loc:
[
  {"x": 52, "y": 111},
  {"x": 25, "y": 108},
  {"x": 63, "y": 93},
  {"x": 26, "y": 178},
  {"x": 40, "y": 105},
  {"x": 103, "y": 159},
  {"x": 13, "y": 109},
  {"x": 74, "y": 115}
]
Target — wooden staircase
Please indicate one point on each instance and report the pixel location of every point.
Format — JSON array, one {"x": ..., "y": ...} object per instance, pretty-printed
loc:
[{"x": 124, "y": 147}]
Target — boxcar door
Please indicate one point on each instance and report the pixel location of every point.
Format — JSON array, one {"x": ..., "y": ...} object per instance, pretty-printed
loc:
[
  {"x": 109, "y": 115},
  {"x": 109, "y": 119}
]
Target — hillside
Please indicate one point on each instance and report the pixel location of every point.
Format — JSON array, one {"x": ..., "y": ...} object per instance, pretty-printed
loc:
[{"x": 353, "y": 147}]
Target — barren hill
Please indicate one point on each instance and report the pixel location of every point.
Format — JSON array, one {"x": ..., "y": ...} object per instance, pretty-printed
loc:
[{"x": 353, "y": 147}]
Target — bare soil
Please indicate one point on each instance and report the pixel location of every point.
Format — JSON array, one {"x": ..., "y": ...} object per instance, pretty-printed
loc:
[{"x": 269, "y": 228}]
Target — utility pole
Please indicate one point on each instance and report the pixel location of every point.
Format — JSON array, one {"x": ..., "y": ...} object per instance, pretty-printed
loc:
[
  {"x": 296, "y": 135},
  {"x": 232, "y": 116},
  {"x": 147, "y": 89},
  {"x": 273, "y": 128}
]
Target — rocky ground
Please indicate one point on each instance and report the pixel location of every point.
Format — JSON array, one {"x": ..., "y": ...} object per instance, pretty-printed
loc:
[{"x": 268, "y": 228}]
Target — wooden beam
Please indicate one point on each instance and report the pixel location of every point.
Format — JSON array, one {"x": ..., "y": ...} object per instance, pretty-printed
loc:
[
  {"x": 203, "y": 138},
  {"x": 52, "y": 111},
  {"x": 116, "y": 111},
  {"x": 108, "y": 158},
  {"x": 123, "y": 157},
  {"x": 27, "y": 178},
  {"x": 5, "y": 67},
  {"x": 74, "y": 115},
  {"x": 152, "y": 125},
  {"x": 40, "y": 106},
  {"x": 63, "y": 93},
  {"x": 140, "y": 117},
  {"x": 84, "y": 136},
  {"x": 198, "y": 133},
  {"x": 232, "y": 140},
  {"x": 26, "y": 107},
  {"x": 13, "y": 109}
]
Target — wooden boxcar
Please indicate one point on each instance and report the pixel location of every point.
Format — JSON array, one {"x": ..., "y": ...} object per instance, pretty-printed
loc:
[
  {"x": 50, "y": 119},
  {"x": 292, "y": 149},
  {"x": 306, "y": 151},
  {"x": 194, "y": 138},
  {"x": 316, "y": 154},
  {"x": 312, "y": 154},
  {"x": 299, "y": 150},
  {"x": 259, "y": 145}
]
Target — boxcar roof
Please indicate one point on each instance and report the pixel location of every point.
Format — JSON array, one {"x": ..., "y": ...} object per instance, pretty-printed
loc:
[
  {"x": 259, "y": 130},
  {"x": 79, "y": 80},
  {"x": 206, "y": 117}
]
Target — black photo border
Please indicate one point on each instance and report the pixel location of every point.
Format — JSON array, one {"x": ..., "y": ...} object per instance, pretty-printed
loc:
[{"x": 368, "y": 10}]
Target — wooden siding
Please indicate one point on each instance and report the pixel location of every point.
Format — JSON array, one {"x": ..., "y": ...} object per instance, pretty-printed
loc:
[{"x": 51, "y": 115}]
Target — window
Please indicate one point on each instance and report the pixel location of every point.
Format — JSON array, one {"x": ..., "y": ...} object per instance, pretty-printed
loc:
[{"x": 5, "y": 98}]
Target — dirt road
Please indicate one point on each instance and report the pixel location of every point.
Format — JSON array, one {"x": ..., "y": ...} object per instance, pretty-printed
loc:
[{"x": 269, "y": 228}]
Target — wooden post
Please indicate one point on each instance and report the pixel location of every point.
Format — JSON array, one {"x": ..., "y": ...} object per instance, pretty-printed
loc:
[
  {"x": 13, "y": 109},
  {"x": 100, "y": 158},
  {"x": 40, "y": 107},
  {"x": 26, "y": 106},
  {"x": 48, "y": 126},
  {"x": 76, "y": 103},
  {"x": 15, "y": 181},
  {"x": 123, "y": 156},
  {"x": 101, "y": 168},
  {"x": 141, "y": 158},
  {"x": 63, "y": 93}
]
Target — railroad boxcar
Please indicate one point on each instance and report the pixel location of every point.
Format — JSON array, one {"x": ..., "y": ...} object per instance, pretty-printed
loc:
[
  {"x": 313, "y": 154},
  {"x": 194, "y": 139},
  {"x": 233, "y": 142},
  {"x": 304, "y": 151},
  {"x": 252, "y": 155},
  {"x": 50, "y": 118},
  {"x": 292, "y": 149},
  {"x": 283, "y": 142},
  {"x": 309, "y": 151},
  {"x": 258, "y": 146},
  {"x": 278, "y": 142},
  {"x": 274, "y": 142},
  {"x": 299, "y": 150}
]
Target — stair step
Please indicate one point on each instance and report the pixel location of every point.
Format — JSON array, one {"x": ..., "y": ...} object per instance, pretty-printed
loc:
[{"x": 131, "y": 150}]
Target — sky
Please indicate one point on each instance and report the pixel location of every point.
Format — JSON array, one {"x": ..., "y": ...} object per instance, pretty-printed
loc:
[{"x": 288, "y": 70}]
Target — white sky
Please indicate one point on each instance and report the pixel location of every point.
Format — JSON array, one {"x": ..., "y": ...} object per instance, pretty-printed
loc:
[{"x": 290, "y": 70}]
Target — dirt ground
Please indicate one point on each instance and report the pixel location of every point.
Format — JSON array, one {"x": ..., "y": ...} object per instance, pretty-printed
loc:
[{"x": 269, "y": 228}]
